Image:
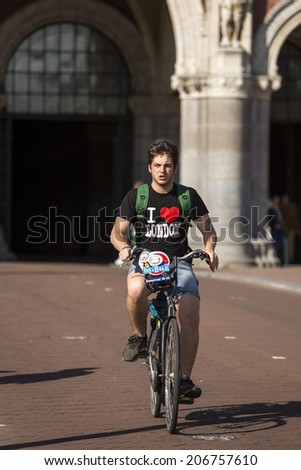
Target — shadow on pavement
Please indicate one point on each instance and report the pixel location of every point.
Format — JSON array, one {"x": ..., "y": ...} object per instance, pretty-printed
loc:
[
  {"x": 84, "y": 437},
  {"x": 243, "y": 418},
  {"x": 44, "y": 376},
  {"x": 229, "y": 419}
]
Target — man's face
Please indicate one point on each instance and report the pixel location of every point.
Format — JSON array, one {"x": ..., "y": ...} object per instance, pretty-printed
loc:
[{"x": 162, "y": 169}]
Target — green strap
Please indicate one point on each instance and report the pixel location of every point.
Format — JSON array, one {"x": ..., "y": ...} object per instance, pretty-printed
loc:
[
  {"x": 184, "y": 199},
  {"x": 143, "y": 195},
  {"x": 142, "y": 200}
]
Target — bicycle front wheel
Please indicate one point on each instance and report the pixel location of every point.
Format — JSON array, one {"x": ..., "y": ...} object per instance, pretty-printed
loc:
[
  {"x": 172, "y": 374},
  {"x": 154, "y": 368}
]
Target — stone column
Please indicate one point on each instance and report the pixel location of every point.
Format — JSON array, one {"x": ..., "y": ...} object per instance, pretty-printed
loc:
[
  {"x": 224, "y": 127},
  {"x": 224, "y": 155}
]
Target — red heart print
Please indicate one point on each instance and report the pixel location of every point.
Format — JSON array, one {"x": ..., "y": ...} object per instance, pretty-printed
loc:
[{"x": 169, "y": 214}]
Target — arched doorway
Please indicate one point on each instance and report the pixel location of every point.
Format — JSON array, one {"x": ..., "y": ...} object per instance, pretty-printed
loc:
[
  {"x": 66, "y": 87},
  {"x": 285, "y": 142}
]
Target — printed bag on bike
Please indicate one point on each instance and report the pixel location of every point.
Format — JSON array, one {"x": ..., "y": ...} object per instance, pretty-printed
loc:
[{"x": 156, "y": 268}]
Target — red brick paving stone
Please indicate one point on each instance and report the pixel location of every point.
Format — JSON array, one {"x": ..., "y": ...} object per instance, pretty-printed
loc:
[{"x": 78, "y": 394}]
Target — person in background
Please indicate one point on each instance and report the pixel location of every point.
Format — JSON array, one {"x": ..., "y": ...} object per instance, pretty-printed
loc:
[
  {"x": 277, "y": 227},
  {"x": 291, "y": 218}
]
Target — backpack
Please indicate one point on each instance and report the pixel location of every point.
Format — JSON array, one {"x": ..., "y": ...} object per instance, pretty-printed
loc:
[{"x": 143, "y": 196}]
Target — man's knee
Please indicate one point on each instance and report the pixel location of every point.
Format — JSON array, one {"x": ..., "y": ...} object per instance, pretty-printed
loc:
[
  {"x": 136, "y": 289},
  {"x": 189, "y": 310}
]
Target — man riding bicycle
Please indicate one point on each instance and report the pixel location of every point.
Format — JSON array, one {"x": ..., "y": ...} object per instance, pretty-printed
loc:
[{"x": 164, "y": 227}]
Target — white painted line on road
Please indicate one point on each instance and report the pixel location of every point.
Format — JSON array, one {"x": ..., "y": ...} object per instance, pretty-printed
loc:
[
  {"x": 230, "y": 337},
  {"x": 278, "y": 357},
  {"x": 2, "y": 425},
  {"x": 109, "y": 289},
  {"x": 74, "y": 337},
  {"x": 212, "y": 437},
  {"x": 89, "y": 283}
]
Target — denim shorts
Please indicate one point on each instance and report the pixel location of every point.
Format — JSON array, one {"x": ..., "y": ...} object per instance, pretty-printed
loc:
[{"x": 187, "y": 282}]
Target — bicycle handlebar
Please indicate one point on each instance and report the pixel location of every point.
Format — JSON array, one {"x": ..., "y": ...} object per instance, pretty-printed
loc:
[{"x": 198, "y": 253}]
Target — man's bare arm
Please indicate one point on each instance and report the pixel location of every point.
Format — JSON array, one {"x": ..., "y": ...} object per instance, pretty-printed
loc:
[
  {"x": 119, "y": 237},
  {"x": 207, "y": 230}
]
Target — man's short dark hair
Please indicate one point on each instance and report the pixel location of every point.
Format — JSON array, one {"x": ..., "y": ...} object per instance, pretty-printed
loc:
[{"x": 161, "y": 146}]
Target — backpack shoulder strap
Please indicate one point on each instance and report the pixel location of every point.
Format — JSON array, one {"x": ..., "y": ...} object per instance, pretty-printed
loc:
[
  {"x": 184, "y": 199},
  {"x": 142, "y": 200},
  {"x": 143, "y": 196}
]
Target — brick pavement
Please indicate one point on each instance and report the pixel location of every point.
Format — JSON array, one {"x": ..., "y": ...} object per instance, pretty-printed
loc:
[
  {"x": 287, "y": 278},
  {"x": 64, "y": 385}
]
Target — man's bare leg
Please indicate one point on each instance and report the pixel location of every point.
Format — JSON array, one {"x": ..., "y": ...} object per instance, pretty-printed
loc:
[
  {"x": 188, "y": 314},
  {"x": 137, "y": 303}
]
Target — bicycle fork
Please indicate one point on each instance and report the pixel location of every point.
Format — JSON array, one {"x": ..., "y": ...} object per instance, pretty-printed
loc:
[{"x": 170, "y": 314}]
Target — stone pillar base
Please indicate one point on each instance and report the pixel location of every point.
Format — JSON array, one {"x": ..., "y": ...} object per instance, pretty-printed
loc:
[{"x": 233, "y": 254}]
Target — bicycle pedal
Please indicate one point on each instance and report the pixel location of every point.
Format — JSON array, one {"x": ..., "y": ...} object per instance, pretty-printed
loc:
[{"x": 186, "y": 401}]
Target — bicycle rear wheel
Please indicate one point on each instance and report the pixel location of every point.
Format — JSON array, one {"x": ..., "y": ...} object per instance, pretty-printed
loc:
[
  {"x": 154, "y": 369},
  {"x": 172, "y": 378}
]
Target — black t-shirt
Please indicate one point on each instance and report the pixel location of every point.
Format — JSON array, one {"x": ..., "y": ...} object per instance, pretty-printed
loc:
[{"x": 163, "y": 228}]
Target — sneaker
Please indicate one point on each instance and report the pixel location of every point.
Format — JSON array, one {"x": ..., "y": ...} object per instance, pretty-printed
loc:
[
  {"x": 189, "y": 391},
  {"x": 136, "y": 347},
  {"x": 186, "y": 401}
]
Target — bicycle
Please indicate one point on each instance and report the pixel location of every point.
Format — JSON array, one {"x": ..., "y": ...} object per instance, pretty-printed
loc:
[{"x": 163, "y": 339}]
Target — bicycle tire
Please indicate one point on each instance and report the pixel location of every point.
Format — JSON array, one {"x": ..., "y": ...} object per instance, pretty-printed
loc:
[
  {"x": 154, "y": 371},
  {"x": 172, "y": 377}
]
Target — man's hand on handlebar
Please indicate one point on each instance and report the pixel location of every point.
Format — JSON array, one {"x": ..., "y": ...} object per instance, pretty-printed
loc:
[
  {"x": 213, "y": 263},
  {"x": 125, "y": 253},
  {"x": 129, "y": 254},
  {"x": 208, "y": 255}
]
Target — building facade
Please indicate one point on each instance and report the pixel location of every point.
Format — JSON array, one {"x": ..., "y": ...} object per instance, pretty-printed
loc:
[{"x": 86, "y": 85}]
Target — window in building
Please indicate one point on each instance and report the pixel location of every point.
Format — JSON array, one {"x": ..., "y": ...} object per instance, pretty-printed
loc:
[{"x": 67, "y": 68}]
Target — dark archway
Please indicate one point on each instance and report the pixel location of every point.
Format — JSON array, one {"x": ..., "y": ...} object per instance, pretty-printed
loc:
[
  {"x": 285, "y": 141},
  {"x": 67, "y": 87}
]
